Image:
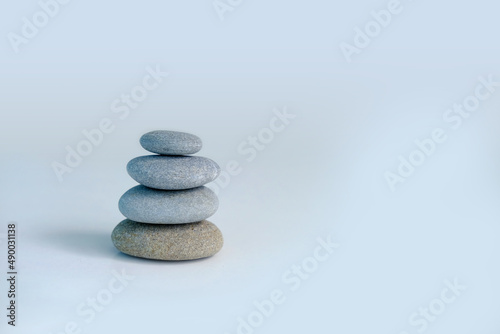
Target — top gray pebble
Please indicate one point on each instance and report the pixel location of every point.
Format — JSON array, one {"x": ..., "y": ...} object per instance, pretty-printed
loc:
[{"x": 171, "y": 142}]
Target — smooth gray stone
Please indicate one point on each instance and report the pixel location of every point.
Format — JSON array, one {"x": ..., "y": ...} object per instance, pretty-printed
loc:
[
  {"x": 145, "y": 205},
  {"x": 168, "y": 242},
  {"x": 172, "y": 173},
  {"x": 171, "y": 142}
]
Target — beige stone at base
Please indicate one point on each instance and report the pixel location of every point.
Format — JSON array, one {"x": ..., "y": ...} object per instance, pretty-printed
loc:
[{"x": 168, "y": 242}]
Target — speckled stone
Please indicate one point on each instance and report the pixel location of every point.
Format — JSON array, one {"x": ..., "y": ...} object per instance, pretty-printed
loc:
[
  {"x": 145, "y": 205},
  {"x": 168, "y": 242},
  {"x": 172, "y": 173},
  {"x": 171, "y": 142}
]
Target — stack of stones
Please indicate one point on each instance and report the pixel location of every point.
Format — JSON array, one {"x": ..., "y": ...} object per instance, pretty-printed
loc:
[{"x": 166, "y": 213}]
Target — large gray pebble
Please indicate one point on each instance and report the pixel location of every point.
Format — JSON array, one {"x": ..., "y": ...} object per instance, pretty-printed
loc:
[
  {"x": 167, "y": 242},
  {"x": 171, "y": 142},
  {"x": 145, "y": 205},
  {"x": 172, "y": 173}
]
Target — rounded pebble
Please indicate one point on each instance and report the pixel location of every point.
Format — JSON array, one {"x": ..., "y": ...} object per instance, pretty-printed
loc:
[
  {"x": 145, "y": 205},
  {"x": 168, "y": 242},
  {"x": 171, "y": 142},
  {"x": 172, "y": 173}
]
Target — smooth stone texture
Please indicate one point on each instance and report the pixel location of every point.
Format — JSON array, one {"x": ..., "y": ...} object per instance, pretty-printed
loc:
[
  {"x": 172, "y": 173},
  {"x": 171, "y": 142},
  {"x": 145, "y": 205},
  {"x": 168, "y": 242}
]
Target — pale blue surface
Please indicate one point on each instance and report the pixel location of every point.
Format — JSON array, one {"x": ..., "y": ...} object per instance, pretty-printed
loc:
[{"x": 321, "y": 174}]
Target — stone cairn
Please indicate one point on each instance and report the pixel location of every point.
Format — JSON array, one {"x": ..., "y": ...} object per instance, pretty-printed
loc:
[{"x": 166, "y": 213}]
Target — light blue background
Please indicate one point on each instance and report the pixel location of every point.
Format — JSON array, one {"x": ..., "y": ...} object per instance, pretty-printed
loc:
[{"x": 323, "y": 175}]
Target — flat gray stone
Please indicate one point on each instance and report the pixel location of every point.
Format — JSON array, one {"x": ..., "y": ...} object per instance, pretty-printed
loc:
[
  {"x": 171, "y": 142},
  {"x": 168, "y": 242},
  {"x": 172, "y": 173},
  {"x": 146, "y": 205}
]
